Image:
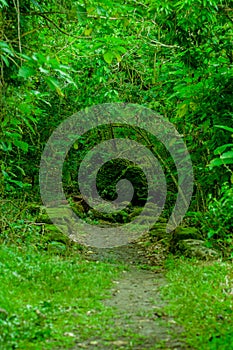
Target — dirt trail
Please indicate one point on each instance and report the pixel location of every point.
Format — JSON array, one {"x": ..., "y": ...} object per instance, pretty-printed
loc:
[
  {"x": 139, "y": 307},
  {"x": 135, "y": 296}
]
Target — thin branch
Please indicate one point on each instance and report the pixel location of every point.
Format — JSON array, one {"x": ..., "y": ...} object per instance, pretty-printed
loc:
[
  {"x": 16, "y": 5},
  {"x": 154, "y": 42},
  {"x": 229, "y": 18},
  {"x": 30, "y": 32},
  {"x": 10, "y": 58},
  {"x": 104, "y": 17},
  {"x": 61, "y": 30},
  {"x": 69, "y": 44},
  {"x": 36, "y": 13}
]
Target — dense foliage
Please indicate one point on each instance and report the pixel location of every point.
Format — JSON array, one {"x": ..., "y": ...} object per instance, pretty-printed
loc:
[{"x": 174, "y": 57}]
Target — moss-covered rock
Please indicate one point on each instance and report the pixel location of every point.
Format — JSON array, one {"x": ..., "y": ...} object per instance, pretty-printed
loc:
[
  {"x": 159, "y": 231},
  {"x": 182, "y": 233},
  {"x": 195, "y": 248},
  {"x": 43, "y": 218},
  {"x": 186, "y": 241}
]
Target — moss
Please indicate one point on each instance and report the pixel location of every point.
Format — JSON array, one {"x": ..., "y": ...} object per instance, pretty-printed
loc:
[
  {"x": 195, "y": 248},
  {"x": 186, "y": 233},
  {"x": 53, "y": 234}
]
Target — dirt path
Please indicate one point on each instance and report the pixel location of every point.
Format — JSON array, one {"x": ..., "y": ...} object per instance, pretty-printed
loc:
[
  {"x": 139, "y": 307},
  {"x": 139, "y": 316}
]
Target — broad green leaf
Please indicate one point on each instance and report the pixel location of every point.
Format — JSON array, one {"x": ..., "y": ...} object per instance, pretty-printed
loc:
[
  {"x": 228, "y": 161},
  {"x": 121, "y": 49},
  {"x": 3, "y": 3},
  {"x": 26, "y": 72},
  {"x": 108, "y": 57},
  {"x": 38, "y": 57},
  {"x": 4, "y": 58},
  {"x": 54, "y": 85},
  {"x": 224, "y": 127},
  {"x": 222, "y": 148},
  {"x": 24, "y": 56},
  {"x": 118, "y": 56},
  {"x": 3, "y": 44},
  {"x": 97, "y": 45},
  {"x": 52, "y": 82},
  {"x": 8, "y": 51},
  {"x": 221, "y": 161},
  {"x": 216, "y": 162},
  {"x": 227, "y": 155},
  {"x": 18, "y": 183}
]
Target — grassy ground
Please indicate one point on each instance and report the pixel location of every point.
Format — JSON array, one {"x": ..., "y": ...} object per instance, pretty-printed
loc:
[
  {"x": 46, "y": 298},
  {"x": 200, "y": 298},
  {"x": 48, "y": 301},
  {"x": 50, "y": 297}
]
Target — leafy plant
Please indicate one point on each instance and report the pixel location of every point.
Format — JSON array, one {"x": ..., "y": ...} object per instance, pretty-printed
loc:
[
  {"x": 217, "y": 221},
  {"x": 225, "y": 153}
]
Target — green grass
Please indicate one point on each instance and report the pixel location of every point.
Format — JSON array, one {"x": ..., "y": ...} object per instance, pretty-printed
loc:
[
  {"x": 200, "y": 297},
  {"x": 51, "y": 300},
  {"x": 50, "y": 297}
]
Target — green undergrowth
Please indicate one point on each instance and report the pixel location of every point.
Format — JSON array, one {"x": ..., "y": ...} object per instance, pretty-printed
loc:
[
  {"x": 49, "y": 301},
  {"x": 201, "y": 300}
]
